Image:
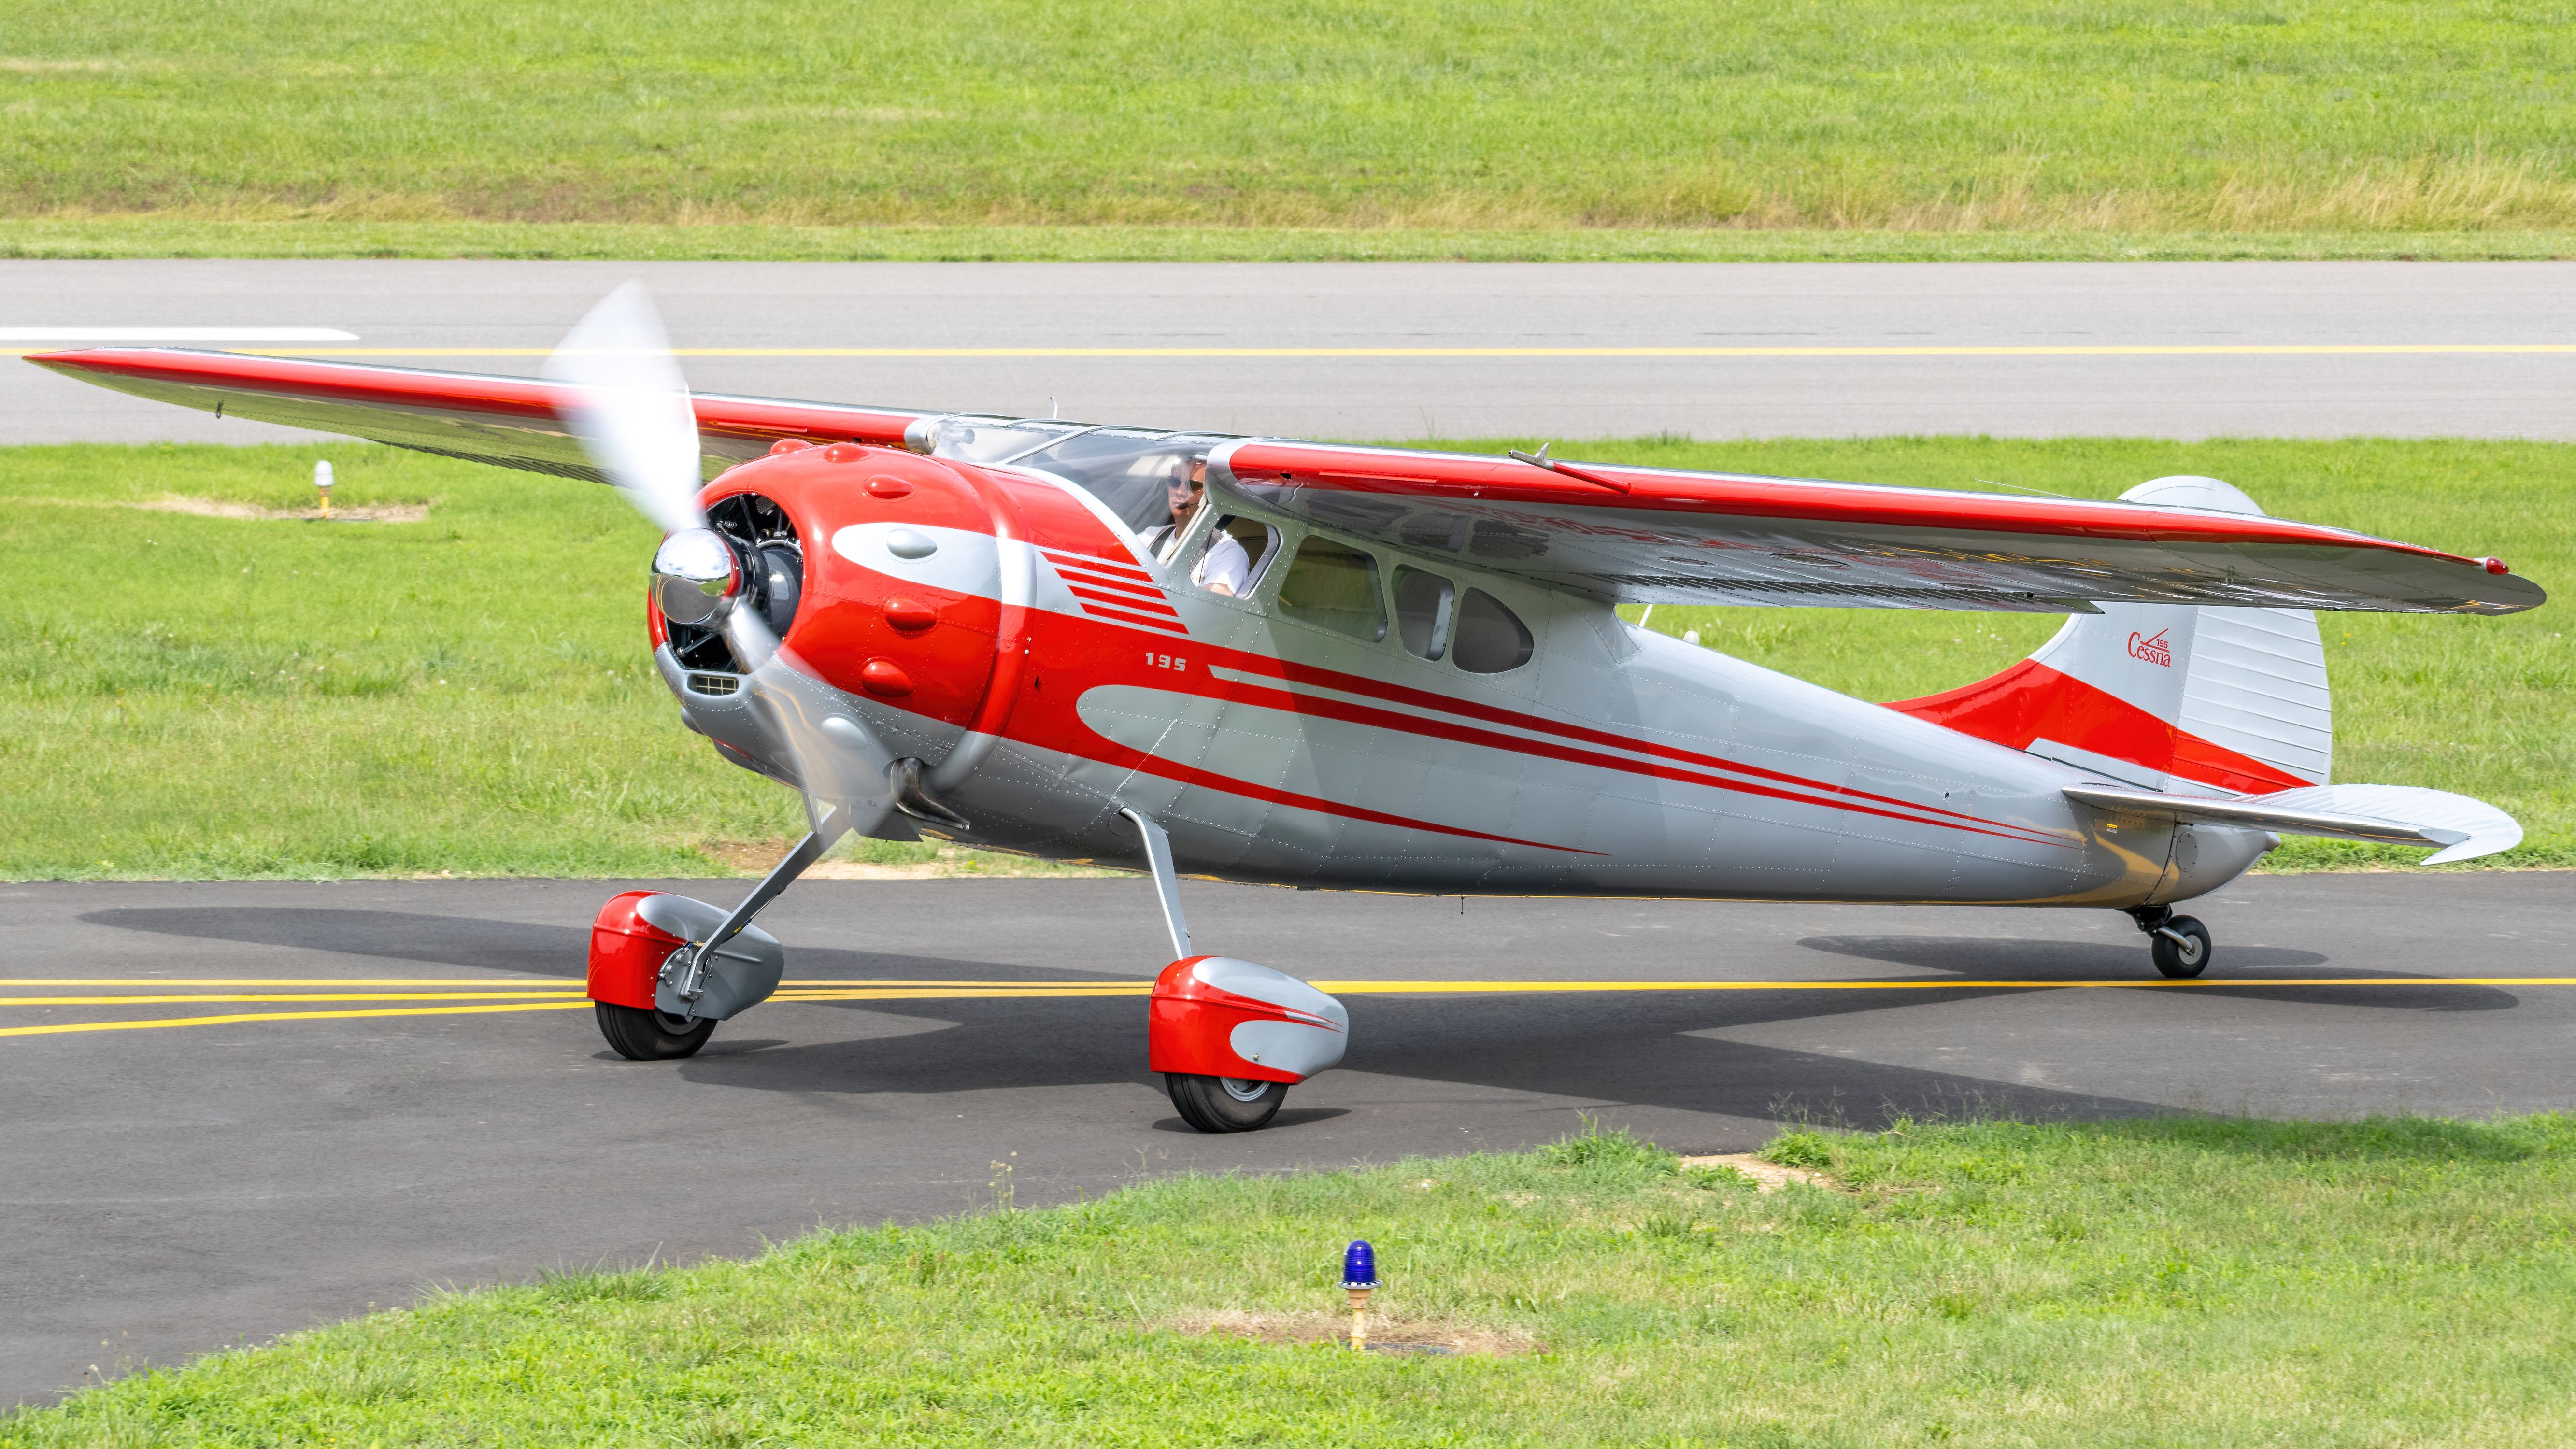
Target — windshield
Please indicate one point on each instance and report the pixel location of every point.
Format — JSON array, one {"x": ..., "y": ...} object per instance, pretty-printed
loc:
[
  {"x": 995, "y": 440},
  {"x": 1125, "y": 468}
]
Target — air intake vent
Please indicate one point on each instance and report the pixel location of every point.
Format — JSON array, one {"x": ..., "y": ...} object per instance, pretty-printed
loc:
[{"x": 714, "y": 684}]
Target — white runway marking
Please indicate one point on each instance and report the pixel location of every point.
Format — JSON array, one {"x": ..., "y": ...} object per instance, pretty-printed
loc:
[{"x": 175, "y": 334}]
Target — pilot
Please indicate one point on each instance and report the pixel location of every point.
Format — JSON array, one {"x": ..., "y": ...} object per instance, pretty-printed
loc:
[{"x": 1225, "y": 568}]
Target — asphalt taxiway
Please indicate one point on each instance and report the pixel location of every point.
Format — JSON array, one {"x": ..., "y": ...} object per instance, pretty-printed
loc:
[
  {"x": 1411, "y": 350},
  {"x": 238, "y": 1109}
]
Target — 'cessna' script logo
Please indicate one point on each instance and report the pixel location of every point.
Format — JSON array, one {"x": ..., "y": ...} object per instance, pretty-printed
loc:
[{"x": 2155, "y": 651}]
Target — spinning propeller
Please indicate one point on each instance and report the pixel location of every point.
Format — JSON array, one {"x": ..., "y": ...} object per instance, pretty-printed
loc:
[{"x": 626, "y": 401}]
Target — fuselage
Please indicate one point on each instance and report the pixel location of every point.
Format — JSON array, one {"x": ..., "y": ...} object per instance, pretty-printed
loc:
[{"x": 1065, "y": 672}]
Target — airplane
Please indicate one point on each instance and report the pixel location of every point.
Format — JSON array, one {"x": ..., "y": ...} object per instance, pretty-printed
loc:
[{"x": 1397, "y": 670}]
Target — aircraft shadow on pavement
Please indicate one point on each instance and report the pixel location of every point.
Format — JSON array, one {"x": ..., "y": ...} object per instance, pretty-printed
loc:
[
  {"x": 1287, "y": 1117},
  {"x": 1615, "y": 1047},
  {"x": 386, "y": 935},
  {"x": 2040, "y": 961},
  {"x": 490, "y": 945},
  {"x": 1624, "y": 1051}
]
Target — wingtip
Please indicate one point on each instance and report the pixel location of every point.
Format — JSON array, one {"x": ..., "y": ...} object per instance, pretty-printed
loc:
[{"x": 79, "y": 359}]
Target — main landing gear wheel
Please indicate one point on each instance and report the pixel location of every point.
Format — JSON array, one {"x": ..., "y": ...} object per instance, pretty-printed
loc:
[
  {"x": 2179, "y": 944},
  {"x": 2185, "y": 958},
  {"x": 642, "y": 1035},
  {"x": 1225, "y": 1104}
]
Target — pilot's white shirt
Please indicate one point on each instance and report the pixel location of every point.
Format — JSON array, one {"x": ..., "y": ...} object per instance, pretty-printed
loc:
[{"x": 1225, "y": 562}]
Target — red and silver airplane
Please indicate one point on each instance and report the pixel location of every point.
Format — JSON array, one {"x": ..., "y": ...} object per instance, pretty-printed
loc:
[{"x": 1396, "y": 670}]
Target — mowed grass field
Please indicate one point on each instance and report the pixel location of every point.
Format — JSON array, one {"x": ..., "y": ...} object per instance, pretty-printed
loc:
[
  {"x": 185, "y": 695},
  {"x": 2197, "y": 1281},
  {"x": 1249, "y": 128}
]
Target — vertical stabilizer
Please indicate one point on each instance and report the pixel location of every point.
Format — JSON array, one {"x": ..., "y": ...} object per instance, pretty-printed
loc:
[{"x": 2167, "y": 697}]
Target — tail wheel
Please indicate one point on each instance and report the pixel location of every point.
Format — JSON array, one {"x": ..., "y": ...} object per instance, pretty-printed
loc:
[
  {"x": 642, "y": 1035},
  {"x": 2183, "y": 958},
  {"x": 1225, "y": 1104}
]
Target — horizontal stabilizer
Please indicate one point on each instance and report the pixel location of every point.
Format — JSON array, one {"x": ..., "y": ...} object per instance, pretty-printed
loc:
[{"x": 2382, "y": 814}]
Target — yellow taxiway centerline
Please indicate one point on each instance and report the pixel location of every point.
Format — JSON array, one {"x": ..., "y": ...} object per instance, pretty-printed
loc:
[
  {"x": 58, "y": 1028},
  {"x": 200, "y": 1000},
  {"x": 1435, "y": 988},
  {"x": 558, "y": 983},
  {"x": 820, "y": 991}
]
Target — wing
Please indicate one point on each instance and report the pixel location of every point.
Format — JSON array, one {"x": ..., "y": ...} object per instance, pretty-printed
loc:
[
  {"x": 1631, "y": 534},
  {"x": 514, "y": 422},
  {"x": 1646, "y": 535}
]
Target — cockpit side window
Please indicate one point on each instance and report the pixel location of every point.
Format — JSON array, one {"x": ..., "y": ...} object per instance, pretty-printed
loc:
[
  {"x": 1238, "y": 549},
  {"x": 1334, "y": 585}
]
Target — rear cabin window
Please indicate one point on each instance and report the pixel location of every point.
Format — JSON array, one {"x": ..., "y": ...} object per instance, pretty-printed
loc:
[
  {"x": 1491, "y": 638},
  {"x": 1334, "y": 585},
  {"x": 1422, "y": 608}
]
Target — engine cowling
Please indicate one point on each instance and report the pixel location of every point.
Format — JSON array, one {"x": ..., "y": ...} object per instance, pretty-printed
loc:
[{"x": 883, "y": 573}]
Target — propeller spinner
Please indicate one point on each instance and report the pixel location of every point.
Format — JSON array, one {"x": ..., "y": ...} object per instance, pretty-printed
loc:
[{"x": 696, "y": 577}]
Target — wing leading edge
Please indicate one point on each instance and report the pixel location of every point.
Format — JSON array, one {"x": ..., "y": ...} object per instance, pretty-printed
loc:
[
  {"x": 512, "y": 422},
  {"x": 1646, "y": 535}
]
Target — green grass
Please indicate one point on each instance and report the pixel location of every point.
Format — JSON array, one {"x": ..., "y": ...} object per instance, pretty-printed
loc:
[
  {"x": 213, "y": 697},
  {"x": 2205, "y": 1281},
  {"x": 190, "y": 696},
  {"x": 2203, "y": 120}
]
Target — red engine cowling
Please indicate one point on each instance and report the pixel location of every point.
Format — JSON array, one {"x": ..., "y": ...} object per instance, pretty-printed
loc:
[
  {"x": 1214, "y": 1016},
  {"x": 627, "y": 952}
]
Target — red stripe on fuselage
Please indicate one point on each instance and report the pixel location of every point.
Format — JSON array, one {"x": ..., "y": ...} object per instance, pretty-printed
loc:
[
  {"x": 1362, "y": 714},
  {"x": 1156, "y": 605},
  {"x": 2031, "y": 702},
  {"x": 1084, "y": 561},
  {"x": 1424, "y": 699},
  {"x": 1076, "y": 738},
  {"x": 1103, "y": 611}
]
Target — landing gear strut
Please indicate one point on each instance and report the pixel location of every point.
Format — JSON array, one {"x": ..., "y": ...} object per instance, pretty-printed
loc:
[
  {"x": 1229, "y": 1037},
  {"x": 664, "y": 969},
  {"x": 2179, "y": 944}
]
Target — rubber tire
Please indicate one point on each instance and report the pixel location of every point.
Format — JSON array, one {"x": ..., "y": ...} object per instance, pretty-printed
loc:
[
  {"x": 2173, "y": 960},
  {"x": 1204, "y": 1103},
  {"x": 640, "y": 1035}
]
